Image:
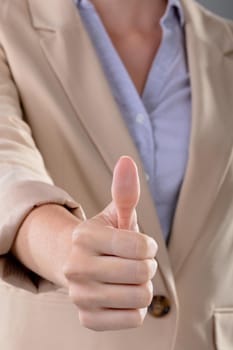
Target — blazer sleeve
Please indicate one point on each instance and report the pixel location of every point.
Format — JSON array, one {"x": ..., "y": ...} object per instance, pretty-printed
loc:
[{"x": 24, "y": 180}]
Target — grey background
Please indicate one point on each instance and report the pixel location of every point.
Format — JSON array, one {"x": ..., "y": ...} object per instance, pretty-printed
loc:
[{"x": 221, "y": 7}]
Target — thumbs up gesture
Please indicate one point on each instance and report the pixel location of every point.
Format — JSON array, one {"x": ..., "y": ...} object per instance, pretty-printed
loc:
[{"x": 111, "y": 264}]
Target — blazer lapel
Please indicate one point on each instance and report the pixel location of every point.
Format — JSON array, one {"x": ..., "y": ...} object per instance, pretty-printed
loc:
[
  {"x": 72, "y": 56},
  {"x": 211, "y": 136}
]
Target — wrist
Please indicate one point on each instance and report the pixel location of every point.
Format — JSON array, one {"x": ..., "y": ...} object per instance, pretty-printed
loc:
[{"x": 44, "y": 241}]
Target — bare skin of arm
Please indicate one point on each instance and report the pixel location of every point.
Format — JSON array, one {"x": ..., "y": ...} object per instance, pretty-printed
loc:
[{"x": 44, "y": 241}]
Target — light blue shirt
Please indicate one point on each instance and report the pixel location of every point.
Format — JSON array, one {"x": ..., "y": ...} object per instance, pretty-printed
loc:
[{"x": 159, "y": 121}]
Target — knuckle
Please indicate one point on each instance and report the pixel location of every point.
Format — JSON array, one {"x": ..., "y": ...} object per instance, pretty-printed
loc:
[
  {"x": 146, "y": 247},
  {"x": 143, "y": 271},
  {"x": 73, "y": 295},
  {"x": 155, "y": 247},
  {"x": 67, "y": 270},
  {"x": 82, "y": 237},
  {"x": 79, "y": 299},
  {"x": 86, "y": 319},
  {"x": 85, "y": 299},
  {"x": 155, "y": 267},
  {"x": 80, "y": 271},
  {"x": 82, "y": 297},
  {"x": 146, "y": 294},
  {"x": 138, "y": 317},
  {"x": 149, "y": 287},
  {"x": 142, "y": 247}
]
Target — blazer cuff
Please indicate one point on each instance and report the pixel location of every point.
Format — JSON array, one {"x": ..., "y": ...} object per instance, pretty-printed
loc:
[{"x": 17, "y": 202}]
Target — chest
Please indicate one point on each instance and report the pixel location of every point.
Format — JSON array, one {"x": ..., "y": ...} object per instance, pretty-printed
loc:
[{"x": 137, "y": 52}]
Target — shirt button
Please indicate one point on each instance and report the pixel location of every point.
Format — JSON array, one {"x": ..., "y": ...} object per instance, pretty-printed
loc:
[
  {"x": 160, "y": 306},
  {"x": 147, "y": 177},
  {"x": 140, "y": 118}
]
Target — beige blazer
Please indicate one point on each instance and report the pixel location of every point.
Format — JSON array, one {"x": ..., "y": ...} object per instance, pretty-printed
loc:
[{"x": 61, "y": 133}]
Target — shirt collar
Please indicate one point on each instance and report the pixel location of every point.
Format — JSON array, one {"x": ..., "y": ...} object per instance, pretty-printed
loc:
[
  {"x": 171, "y": 3},
  {"x": 177, "y": 5}
]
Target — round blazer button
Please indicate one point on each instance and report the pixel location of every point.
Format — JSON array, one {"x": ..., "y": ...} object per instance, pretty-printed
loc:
[{"x": 160, "y": 306}]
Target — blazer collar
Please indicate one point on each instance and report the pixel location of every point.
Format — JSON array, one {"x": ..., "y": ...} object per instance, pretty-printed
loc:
[
  {"x": 203, "y": 24},
  {"x": 52, "y": 15}
]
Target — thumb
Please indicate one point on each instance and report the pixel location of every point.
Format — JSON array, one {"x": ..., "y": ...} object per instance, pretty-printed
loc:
[{"x": 125, "y": 191}]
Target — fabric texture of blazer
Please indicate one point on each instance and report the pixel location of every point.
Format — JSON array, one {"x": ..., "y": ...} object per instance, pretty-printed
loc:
[{"x": 61, "y": 134}]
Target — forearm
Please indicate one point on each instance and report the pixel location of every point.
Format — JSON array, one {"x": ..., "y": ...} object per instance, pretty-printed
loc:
[{"x": 44, "y": 239}]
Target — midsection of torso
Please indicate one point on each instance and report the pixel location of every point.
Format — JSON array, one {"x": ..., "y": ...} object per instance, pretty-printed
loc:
[{"x": 137, "y": 52}]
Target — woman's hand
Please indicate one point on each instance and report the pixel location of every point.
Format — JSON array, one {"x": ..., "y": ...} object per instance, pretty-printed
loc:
[{"x": 111, "y": 264}]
